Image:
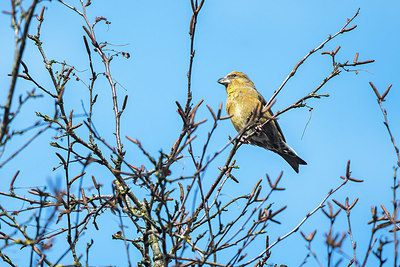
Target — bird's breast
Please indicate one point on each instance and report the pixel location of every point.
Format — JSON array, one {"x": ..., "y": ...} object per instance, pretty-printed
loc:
[{"x": 240, "y": 107}]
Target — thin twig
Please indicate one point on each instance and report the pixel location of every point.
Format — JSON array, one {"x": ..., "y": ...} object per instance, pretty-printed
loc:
[{"x": 292, "y": 73}]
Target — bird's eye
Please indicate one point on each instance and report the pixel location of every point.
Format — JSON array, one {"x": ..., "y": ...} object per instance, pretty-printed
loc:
[{"x": 232, "y": 76}]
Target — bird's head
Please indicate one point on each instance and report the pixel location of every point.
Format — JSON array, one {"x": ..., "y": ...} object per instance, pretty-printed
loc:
[{"x": 236, "y": 78}]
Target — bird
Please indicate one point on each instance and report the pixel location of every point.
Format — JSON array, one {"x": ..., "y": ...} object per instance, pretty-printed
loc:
[{"x": 242, "y": 104}]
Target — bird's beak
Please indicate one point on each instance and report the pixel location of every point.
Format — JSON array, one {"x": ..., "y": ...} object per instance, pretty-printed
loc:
[{"x": 224, "y": 81}]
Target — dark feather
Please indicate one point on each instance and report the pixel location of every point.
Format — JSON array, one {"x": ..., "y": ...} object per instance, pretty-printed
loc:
[{"x": 293, "y": 160}]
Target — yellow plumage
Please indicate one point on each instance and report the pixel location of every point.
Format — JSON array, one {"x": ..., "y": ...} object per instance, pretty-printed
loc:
[{"x": 242, "y": 103}]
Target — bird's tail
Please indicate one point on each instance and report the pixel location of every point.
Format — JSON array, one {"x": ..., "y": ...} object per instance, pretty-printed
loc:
[
  {"x": 293, "y": 160},
  {"x": 291, "y": 157}
]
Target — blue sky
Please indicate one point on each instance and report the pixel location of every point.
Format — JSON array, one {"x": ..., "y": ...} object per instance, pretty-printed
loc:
[{"x": 264, "y": 39}]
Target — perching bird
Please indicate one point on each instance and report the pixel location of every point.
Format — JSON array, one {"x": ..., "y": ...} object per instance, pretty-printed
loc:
[{"x": 242, "y": 102}]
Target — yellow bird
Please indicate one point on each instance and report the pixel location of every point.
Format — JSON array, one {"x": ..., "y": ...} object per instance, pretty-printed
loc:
[{"x": 243, "y": 101}]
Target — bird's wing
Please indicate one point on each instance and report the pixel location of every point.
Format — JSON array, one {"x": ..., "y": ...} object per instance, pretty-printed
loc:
[{"x": 263, "y": 102}]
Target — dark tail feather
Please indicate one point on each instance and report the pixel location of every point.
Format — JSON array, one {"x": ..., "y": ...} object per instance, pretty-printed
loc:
[{"x": 293, "y": 160}]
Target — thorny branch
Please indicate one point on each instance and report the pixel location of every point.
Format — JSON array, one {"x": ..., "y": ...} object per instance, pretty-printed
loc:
[
  {"x": 19, "y": 50},
  {"x": 309, "y": 214},
  {"x": 20, "y": 22},
  {"x": 381, "y": 98},
  {"x": 152, "y": 204},
  {"x": 312, "y": 51}
]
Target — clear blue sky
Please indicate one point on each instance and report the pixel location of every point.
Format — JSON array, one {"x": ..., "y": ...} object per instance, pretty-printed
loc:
[{"x": 264, "y": 39}]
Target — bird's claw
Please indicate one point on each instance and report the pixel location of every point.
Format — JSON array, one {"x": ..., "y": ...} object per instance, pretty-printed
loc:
[
  {"x": 258, "y": 128},
  {"x": 244, "y": 140}
]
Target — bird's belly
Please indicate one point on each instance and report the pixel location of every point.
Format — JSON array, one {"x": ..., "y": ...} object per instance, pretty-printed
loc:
[{"x": 241, "y": 115}]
